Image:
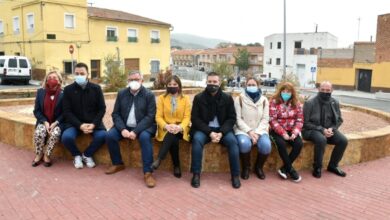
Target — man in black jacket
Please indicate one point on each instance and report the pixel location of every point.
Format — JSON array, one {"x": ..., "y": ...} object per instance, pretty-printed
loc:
[
  {"x": 134, "y": 118},
  {"x": 84, "y": 108},
  {"x": 322, "y": 118},
  {"x": 213, "y": 117}
]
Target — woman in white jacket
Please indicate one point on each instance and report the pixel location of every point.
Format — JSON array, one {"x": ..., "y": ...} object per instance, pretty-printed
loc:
[{"x": 251, "y": 128}]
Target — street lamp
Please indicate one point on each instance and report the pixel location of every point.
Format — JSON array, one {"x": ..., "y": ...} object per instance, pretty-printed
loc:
[{"x": 284, "y": 41}]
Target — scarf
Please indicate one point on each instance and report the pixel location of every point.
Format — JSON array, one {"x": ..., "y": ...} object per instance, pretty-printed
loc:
[{"x": 49, "y": 104}]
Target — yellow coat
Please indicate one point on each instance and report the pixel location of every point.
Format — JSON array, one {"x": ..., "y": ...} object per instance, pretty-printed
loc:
[{"x": 180, "y": 117}]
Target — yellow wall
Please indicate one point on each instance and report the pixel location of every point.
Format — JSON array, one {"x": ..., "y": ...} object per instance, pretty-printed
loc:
[
  {"x": 338, "y": 76},
  {"x": 381, "y": 75}
]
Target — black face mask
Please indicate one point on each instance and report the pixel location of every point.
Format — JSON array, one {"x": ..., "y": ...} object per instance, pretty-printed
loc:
[
  {"x": 212, "y": 88},
  {"x": 172, "y": 90},
  {"x": 324, "y": 96}
]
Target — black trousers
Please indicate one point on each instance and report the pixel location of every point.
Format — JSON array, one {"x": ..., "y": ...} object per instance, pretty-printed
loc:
[
  {"x": 320, "y": 141},
  {"x": 281, "y": 144},
  {"x": 171, "y": 143}
]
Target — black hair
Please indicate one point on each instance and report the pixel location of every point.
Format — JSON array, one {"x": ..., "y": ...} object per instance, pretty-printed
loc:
[{"x": 81, "y": 65}]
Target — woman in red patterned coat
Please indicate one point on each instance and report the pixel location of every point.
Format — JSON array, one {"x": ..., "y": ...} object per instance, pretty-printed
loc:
[{"x": 286, "y": 121}]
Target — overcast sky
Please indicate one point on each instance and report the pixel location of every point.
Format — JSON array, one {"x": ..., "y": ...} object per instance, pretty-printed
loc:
[{"x": 246, "y": 21}]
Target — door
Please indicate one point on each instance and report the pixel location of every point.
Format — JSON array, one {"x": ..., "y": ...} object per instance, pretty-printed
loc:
[
  {"x": 364, "y": 80},
  {"x": 12, "y": 69},
  {"x": 24, "y": 69},
  {"x": 95, "y": 69},
  {"x": 131, "y": 65},
  {"x": 301, "y": 69}
]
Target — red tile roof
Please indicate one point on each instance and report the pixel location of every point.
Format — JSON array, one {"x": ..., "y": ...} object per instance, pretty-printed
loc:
[{"x": 103, "y": 13}]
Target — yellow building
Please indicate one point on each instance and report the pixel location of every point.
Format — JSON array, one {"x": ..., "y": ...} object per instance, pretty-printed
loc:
[{"x": 45, "y": 30}]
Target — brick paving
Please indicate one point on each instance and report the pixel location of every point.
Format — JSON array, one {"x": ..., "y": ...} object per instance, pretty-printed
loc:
[{"x": 62, "y": 192}]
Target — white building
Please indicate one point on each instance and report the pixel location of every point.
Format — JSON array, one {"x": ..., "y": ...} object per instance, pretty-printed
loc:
[{"x": 301, "y": 54}]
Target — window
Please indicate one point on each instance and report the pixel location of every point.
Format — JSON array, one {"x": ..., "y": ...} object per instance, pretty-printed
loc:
[
  {"x": 270, "y": 45},
  {"x": 1, "y": 28},
  {"x": 23, "y": 63},
  {"x": 277, "y": 61},
  {"x": 132, "y": 35},
  {"x": 2, "y": 61},
  {"x": 279, "y": 45},
  {"x": 111, "y": 34},
  {"x": 51, "y": 36},
  {"x": 269, "y": 61},
  {"x": 30, "y": 22},
  {"x": 69, "y": 21},
  {"x": 155, "y": 66},
  {"x": 298, "y": 44},
  {"x": 155, "y": 36},
  {"x": 12, "y": 63},
  {"x": 2, "y": 53},
  {"x": 16, "y": 25},
  {"x": 68, "y": 66}
]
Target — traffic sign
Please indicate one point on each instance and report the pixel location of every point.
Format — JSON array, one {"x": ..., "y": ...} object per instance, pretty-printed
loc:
[
  {"x": 71, "y": 49},
  {"x": 313, "y": 69}
]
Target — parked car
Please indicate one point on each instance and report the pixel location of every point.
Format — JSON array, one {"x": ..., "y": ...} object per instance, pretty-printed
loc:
[
  {"x": 270, "y": 82},
  {"x": 15, "y": 68}
]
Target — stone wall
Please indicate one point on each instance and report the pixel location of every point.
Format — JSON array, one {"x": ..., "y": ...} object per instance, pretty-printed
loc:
[{"x": 383, "y": 39}]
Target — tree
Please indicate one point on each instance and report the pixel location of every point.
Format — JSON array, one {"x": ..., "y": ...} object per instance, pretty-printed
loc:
[
  {"x": 114, "y": 78},
  {"x": 223, "y": 45},
  {"x": 242, "y": 59},
  {"x": 256, "y": 44},
  {"x": 224, "y": 69}
]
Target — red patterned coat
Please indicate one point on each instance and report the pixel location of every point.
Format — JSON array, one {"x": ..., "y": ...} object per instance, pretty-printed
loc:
[{"x": 286, "y": 118}]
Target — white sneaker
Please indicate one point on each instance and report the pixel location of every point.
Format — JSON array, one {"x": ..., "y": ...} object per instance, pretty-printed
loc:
[
  {"x": 89, "y": 161},
  {"x": 78, "y": 162}
]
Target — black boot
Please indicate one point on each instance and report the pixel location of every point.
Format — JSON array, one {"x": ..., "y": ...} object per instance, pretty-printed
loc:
[
  {"x": 245, "y": 165},
  {"x": 261, "y": 158}
]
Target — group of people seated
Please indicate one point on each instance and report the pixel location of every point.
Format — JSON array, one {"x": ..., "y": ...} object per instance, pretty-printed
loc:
[{"x": 214, "y": 116}]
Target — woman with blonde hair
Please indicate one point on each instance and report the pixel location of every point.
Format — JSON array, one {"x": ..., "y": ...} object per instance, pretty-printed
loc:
[
  {"x": 48, "y": 112},
  {"x": 173, "y": 119},
  {"x": 286, "y": 121}
]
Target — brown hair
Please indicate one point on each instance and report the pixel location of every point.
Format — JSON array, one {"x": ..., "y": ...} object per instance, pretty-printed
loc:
[
  {"x": 286, "y": 86},
  {"x": 52, "y": 72},
  {"x": 252, "y": 78},
  {"x": 177, "y": 80}
]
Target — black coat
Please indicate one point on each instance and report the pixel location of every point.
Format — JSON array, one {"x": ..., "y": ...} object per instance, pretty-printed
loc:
[
  {"x": 226, "y": 113},
  {"x": 312, "y": 115},
  {"x": 145, "y": 110},
  {"x": 39, "y": 109},
  {"x": 84, "y": 105}
]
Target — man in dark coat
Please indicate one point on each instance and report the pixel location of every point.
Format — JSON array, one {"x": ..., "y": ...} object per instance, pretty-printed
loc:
[
  {"x": 213, "y": 117},
  {"x": 322, "y": 119}
]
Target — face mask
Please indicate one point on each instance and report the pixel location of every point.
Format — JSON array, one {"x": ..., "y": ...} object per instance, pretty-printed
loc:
[
  {"x": 285, "y": 96},
  {"x": 252, "y": 89},
  {"x": 134, "y": 85},
  {"x": 212, "y": 88},
  {"x": 81, "y": 80},
  {"x": 172, "y": 90},
  {"x": 325, "y": 96},
  {"x": 52, "y": 84}
]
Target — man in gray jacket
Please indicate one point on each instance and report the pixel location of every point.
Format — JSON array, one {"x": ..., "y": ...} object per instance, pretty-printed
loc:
[
  {"x": 134, "y": 118},
  {"x": 322, "y": 118}
]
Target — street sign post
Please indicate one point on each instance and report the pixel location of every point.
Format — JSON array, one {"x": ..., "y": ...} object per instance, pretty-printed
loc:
[{"x": 71, "y": 50}]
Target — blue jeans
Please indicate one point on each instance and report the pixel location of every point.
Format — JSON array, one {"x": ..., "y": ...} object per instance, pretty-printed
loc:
[
  {"x": 145, "y": 139},
  {"x": 263, "y": 144},
  {"x": 228, "y": 140},
  {"x": 69, "y": 140}
]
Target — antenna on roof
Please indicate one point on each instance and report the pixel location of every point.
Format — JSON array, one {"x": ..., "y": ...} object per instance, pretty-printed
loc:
[
  {"x": 316, "y": 29},
  {"x": 90, "y": 4}
]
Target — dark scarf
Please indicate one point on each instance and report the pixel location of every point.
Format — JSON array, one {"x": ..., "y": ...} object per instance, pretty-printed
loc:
[
  {"x": 212, "y": 103},
  {"x": 49, "y": 104},
  {"x": 255, "y": 96}
]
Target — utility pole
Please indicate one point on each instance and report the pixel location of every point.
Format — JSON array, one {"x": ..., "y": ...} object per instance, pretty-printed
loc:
[
  {"x": 284, "y": 42},
  {"x": 358, "y": 29}
]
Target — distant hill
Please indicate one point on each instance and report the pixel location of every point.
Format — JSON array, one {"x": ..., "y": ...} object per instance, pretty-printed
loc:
[{"x": 189, "y": 41}]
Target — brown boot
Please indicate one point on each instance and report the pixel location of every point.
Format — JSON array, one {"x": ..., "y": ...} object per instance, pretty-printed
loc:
[
  {"x": 149, "y": 180},
  {"x": 115, "y": 168},
  {"x": 245, "y": 165},
  {"x": 261, "y": 158}
]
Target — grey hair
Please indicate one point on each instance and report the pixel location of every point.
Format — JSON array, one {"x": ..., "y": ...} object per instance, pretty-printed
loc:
[
  {"x": 326, "y": 82},
  {"x": 136, "y": 72}
]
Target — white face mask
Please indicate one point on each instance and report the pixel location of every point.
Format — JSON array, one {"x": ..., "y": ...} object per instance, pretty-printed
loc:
[{"x": 134, "y": 85}]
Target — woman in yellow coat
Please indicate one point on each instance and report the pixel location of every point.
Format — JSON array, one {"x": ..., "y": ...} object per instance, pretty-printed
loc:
[{"x": 173, "y": 119}]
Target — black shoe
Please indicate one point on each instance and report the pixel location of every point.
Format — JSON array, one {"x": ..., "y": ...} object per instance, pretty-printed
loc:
[
  {"x": 47, "y": 164},
  {"x": 282, "y": 173},
  {"x": 177, "y": 172},
  {"x": 246, "y": 165},
  {"x": 317, "y": 172},
  {"x": 294, "y": 175},
  {"x": 337, "y": 171},
  {"x": 236, "y": 182},
  {"x": 35, "y": 163},
  {"x": 260, "y": 173},
  {"x": 155, "y": 164},
  {"x": 245, "y": 173},
  {"x": 195, "y": 182},
  {"x": 261, "y": 158}
]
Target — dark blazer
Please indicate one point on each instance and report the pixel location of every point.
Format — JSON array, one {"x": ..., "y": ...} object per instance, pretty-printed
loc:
[
  {"x": 312, "y": 115},
  {"x": 226, "y": 113},
  {"x": 39, "y": 111},
  {"x": 84, "y": 105},
  {"x": 145, "y": 110}
]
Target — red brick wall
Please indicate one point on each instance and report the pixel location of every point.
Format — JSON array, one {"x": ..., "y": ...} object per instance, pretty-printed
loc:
[
  {"x": 335, "y": 63},
  {"x": 383, "y": 39}
]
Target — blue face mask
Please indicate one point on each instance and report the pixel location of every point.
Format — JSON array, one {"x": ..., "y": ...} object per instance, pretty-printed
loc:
[
  {"x": 252, "y": 89},
  {"x": 285, "y": 96},
  {"x": 80, "y": 79}
]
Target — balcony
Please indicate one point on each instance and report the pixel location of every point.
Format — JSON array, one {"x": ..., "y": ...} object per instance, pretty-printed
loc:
[
  {"x": 155, "y": 40},
  {"x": 303, "y": 51},
  {"x": 132, "y": 39},
  {"x": 112, "y": 38}
]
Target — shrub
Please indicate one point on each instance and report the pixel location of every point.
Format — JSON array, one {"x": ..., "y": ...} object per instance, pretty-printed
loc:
[{"x": 114, "y": 78}]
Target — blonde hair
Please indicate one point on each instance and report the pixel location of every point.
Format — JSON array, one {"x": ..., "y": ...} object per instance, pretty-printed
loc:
[{"x": 48, "y": 74}]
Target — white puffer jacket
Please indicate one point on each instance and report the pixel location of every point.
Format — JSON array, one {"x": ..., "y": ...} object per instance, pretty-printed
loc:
[{"x": 251, "y": 116}]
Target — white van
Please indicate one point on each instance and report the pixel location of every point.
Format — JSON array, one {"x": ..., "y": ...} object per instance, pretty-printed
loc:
[{"x": 15, "y": 68}]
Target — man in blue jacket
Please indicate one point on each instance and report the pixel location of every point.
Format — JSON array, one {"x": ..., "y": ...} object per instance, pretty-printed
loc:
[{"x": 134, "y": 118}]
